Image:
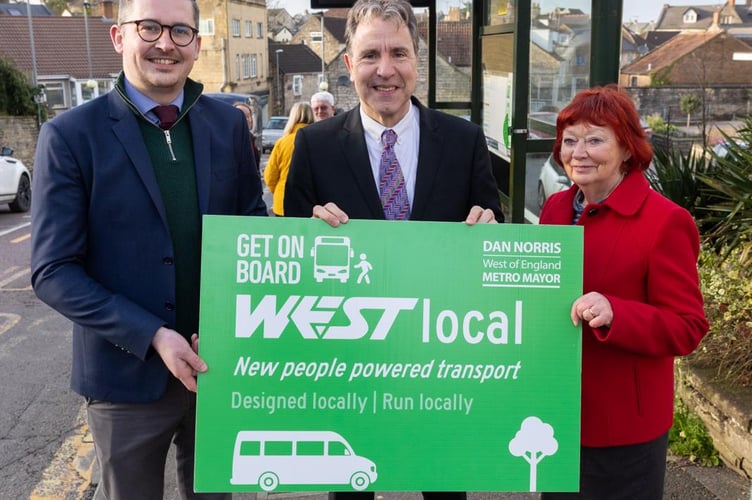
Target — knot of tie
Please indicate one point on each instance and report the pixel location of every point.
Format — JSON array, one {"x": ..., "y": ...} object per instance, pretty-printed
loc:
[
  {"x": 166, "y": 114},
  {"x": 389, "y": 137}
]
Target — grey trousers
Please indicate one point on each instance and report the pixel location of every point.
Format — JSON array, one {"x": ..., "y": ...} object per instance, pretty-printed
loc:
[{"x": 132, "y": 441}]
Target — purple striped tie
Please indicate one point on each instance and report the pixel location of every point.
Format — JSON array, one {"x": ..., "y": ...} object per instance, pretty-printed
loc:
[{"x": 392, "y": 189}]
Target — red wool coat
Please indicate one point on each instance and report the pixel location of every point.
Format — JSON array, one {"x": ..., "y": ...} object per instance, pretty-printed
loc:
[{"x": 641, "y": 253}]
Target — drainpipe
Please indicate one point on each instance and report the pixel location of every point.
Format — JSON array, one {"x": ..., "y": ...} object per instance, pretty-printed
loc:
[{"x": 224, "y": 65}]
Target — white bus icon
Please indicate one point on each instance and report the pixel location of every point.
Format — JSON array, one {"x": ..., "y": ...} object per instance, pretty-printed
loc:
[
  {"x": 331, "y": 258},
  {"x": 271, "y": 458}
]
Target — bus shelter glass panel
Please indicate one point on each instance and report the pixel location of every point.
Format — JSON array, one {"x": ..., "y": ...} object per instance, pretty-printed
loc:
[
  {"x": 560, "y": 39},
  {"x": 500, "y": 12},
  {"x": 498, "y": 70},
  {"x": 454, "y": 28}
]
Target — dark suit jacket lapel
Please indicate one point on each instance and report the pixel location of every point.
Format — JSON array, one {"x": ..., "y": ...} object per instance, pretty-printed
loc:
[
  {"x": 128, "y": 132},
  {"x": 429, "y": 158},
  {"x": 201, "y": 136},
  {"x": 356, "y": 152}
]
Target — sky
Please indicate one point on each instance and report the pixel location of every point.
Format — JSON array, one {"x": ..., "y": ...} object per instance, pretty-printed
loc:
[{"x": 642, "y": 10}]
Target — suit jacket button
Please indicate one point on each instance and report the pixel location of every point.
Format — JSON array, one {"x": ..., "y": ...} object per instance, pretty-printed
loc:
[
  {"x": 169, "y": 306},
  {"x": 167, "y": 261}
]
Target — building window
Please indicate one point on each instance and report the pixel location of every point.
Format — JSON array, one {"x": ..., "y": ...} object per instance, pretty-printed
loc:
[
  {"x": 634, "y": 81},
  {"x": 248, "y": 29},
  {"x": 55, "y": 95},
  {"x": 259, "y": 30},
  {"x": 235, "y": 27},
  {"x": 316, "y": 37},
  {"x": 237, "y": 66},
  {"x": 206, "y": 27},
  {"x": 297, "y": 85},
  {"x": 690, "y": 16},
  {"x": 254, "y": 68},
  {"x": 246, "y": 66}
]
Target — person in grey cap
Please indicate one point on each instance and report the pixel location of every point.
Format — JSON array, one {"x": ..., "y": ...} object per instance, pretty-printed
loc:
[{"x": 322, "y": 104}]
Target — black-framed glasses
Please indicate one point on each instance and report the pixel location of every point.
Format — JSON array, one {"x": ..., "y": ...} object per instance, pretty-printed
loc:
[{"x": 150, "y": 31}]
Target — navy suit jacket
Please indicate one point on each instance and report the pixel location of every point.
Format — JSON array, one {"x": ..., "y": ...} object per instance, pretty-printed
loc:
[
  {"x": 101, "y": 249},
  {"x": 330, "y": 163}
]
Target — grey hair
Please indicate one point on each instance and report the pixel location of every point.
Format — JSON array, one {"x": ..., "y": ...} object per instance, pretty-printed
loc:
[
  {"x": 323, "y": 96},
  {"x": 124, "y": 8},
  {"x": 363, "y": 10}
]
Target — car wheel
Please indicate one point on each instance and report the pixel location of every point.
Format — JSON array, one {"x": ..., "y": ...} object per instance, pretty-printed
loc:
[
  {"x": 541, "y": 195},
  {"x": 22, "y": 203}
]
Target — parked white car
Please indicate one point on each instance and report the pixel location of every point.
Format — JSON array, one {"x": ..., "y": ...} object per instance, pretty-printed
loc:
[
  {"x": 552, "y": 179},
  {"x": 272, "y": 132},
  {"x": 15, "y": 182}
]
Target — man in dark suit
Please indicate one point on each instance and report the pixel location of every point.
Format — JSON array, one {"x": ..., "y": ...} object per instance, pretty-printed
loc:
[
  {"x": 120, "y": 187},
  {"x": 351, "y": 166},
  {"x": 335, "y": 170}
]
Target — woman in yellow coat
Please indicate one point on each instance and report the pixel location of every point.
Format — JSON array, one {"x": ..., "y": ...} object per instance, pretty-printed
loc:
[{"x": 275, "y": 173}]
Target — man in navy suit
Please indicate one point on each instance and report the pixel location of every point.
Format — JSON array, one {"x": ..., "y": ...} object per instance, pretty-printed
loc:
[
  {"x": 120, "y": 188},
  {"x": 341, "y": 169}
]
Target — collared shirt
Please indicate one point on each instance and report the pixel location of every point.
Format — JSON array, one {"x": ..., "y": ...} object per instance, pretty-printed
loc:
[
  {"x": 406, "y": 148},
  {"x": 146, "y": 104}
]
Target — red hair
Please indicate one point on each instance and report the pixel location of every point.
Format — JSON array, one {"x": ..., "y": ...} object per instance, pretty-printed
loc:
[{"x": 608, "y": 107}]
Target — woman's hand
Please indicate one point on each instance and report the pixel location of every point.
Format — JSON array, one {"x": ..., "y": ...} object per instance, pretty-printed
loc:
[{"x": 593, "y": 308}]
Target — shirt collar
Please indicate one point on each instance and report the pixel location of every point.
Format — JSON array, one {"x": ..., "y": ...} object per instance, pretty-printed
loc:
[
  {"x": 145, "y": 104},
  {"x": 374, "y": 129}
]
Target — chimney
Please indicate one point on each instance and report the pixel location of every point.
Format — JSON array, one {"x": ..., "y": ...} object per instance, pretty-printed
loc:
[
  {"x": 731, "y": 3},
  {"x": 717, "y": 17}
]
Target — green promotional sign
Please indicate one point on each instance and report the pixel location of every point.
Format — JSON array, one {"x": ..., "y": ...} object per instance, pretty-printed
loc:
[{"x": 389, "y": 356}]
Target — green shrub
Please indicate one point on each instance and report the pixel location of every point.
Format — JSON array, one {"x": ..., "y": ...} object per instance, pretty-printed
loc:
[
  {"x": 16, "y": 95},
  {"x": 727, "y": 288},
  {"x": 689, "y": 438},
  {"x": 659, "y": 126}
]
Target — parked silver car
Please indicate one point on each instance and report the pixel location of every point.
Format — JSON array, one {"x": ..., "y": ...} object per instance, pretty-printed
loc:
[
  {"x": 15, "y": 182},
  {"x": 271, "y": 132}
]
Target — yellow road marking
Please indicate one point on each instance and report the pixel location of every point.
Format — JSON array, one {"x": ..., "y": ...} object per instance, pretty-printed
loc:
[
  {"x": 21, "y": 238},
  {"x": 69, "y": 473}
]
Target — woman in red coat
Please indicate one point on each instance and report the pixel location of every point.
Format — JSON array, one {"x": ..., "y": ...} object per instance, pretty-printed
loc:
[{"x": 641, "y": 305}]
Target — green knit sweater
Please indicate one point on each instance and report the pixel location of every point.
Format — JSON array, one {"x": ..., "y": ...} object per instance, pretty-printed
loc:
[{"x": 171, "y": 155}]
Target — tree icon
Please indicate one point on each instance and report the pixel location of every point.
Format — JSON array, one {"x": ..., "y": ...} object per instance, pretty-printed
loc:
[{"x": 532, "y": 442}]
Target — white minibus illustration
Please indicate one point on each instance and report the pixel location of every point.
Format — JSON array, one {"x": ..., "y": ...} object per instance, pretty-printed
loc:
[
  {"x": 331, "y": 258},
  {"x": 271, "y": 458}
]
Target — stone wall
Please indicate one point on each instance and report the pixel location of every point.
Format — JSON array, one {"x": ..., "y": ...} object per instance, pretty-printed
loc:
[
  {"x": 20, "y": 133},
  {"x": 726, "y": 412},
  {"x": 723, "y": 103}
]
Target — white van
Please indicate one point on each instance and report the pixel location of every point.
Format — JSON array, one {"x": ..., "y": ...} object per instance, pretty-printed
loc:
[{"x": 271, "y": 458}]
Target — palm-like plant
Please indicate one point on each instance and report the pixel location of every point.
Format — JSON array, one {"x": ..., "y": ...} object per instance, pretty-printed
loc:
[
  {"x": 727, "y": 213},
  {"x": 716, "y": 188}
]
